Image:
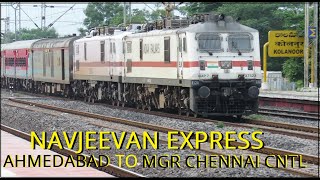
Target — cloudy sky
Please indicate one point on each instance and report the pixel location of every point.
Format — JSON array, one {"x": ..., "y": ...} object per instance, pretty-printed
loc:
[{"x": 67, "y": 24}]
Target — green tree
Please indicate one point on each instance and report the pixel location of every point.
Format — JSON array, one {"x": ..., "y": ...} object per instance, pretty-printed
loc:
[
  {"x": 82, "y": 31},
  {"x": 28, "y": 34},
  {"x": 99, "y": 14},
  {"x": 191, "y": 8},
  {"x": 157, "y": 14},
  {"x": 292, "y": 69},
  {"x": 111, "y": 14},
  {"x": 139, "y": 16}
]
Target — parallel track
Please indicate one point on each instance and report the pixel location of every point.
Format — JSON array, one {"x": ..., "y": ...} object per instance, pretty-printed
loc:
[{"x": 289, "y": 114}]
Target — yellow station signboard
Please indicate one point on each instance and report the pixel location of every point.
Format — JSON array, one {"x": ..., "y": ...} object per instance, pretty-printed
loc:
[{"x": 285, "y": 44}]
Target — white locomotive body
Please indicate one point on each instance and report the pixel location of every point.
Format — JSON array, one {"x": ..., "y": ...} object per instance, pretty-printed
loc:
[
  {"x": 207, "y": 65},
  {"x": 208, "y": 68}
]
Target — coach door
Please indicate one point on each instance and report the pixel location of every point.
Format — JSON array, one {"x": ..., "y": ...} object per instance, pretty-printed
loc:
[
  {"x": 62, "y": 64},
  {"x": 180, "y": 56},
  {"x": 112, "y": 57},
  {"x": 128, "y": 58}
]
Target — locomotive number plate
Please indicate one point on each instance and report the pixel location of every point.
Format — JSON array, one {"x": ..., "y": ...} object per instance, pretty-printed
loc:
[{"x": 250, "y": 75}]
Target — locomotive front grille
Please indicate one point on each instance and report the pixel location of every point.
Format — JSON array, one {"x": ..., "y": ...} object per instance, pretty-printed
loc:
[{"x": 212, "y": 105}]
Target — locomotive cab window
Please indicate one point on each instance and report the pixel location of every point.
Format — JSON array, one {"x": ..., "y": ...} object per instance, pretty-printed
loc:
[
  {"x": 209, "y": 42},
  {"x": 240, "y": 43}
]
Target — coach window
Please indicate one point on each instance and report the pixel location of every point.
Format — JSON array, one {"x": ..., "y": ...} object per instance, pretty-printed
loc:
[
  {"x": 185, "y": 44},
  {"x": 180, "y": 44},
  {"x": 11, "y": 61},
  {"x": 209, "y": 42},
  {"x": 240, "y": 42},
  {"x": 167, "y": 49},
  {"x": 141, "y": 49},
  {"x": 129, "y": 47},
  {"x": 114, "y": 48},
  {"x": 102, "y": 51},
  {"x": 85, "y": 51}
]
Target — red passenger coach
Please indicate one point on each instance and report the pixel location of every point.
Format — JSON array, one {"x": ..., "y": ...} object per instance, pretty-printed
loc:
[
  {"x": 2, "y": 63},
  {"x": 18, "y": 67}
]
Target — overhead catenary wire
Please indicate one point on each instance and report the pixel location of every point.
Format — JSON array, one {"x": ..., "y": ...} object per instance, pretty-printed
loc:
[
  {"x": 148, "y": 6},
  {"x": 30, "y": 18},
  {"x": 51, "y": 24},
  {"x": 75, "y": 9},
  {"x": 76, "y": 22}
]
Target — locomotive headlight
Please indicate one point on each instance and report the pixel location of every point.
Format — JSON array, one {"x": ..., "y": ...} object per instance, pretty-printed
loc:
[
  {"x": 253, "y": 92},
  {"x": 225, "y": 64},
  {"x": 204, "y": 92}
]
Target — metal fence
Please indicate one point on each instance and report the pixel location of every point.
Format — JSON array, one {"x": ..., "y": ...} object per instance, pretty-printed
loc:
[{"x": 277, "y": 83}]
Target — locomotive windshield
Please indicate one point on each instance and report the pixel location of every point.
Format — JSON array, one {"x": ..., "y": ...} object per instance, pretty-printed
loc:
[
  {"x": 239, "y": 42},
  {"x": 209, "y": 42}
]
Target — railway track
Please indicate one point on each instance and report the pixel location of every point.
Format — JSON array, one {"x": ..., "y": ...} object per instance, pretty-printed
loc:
[
  {"x": 306, "y": 132},
  {"x": 229, "y": 122},
  {"x": 111, "y": 169},
  {"x": 266, "y": 150},
  {"x": 289, "y": 114}
]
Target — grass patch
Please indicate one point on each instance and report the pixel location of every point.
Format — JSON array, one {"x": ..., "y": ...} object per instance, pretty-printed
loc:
[
  {"x": 220, "y": 125},
  {"x": 256, "y": 129},
  {"x": 255, "y": 117}
]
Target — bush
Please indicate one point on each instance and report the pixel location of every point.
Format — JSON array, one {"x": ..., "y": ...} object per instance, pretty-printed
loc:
[{"x": 293, "y": 69}]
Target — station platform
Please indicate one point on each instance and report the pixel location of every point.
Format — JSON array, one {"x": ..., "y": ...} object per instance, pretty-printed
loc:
[
  {"x": 297, "y": 95},
  {"x": 12, "y": 145},
  {"x": 306, "y": 100}
]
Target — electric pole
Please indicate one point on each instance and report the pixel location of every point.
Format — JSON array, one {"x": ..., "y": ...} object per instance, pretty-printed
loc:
[
  {"x": 306, "y": 44},
  {"x": 6, "y": 21},
  {"x": 15, "y": 7},
  {"x": 124, "y": 14},
  {"x": 129, "y": 12},
  {"x": 43, "y": 15},
  {"x": 315, "y": 4},
  {"x": 19, "y": 16}
]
